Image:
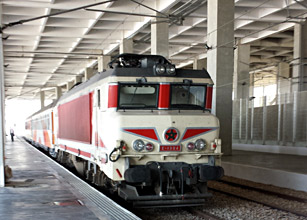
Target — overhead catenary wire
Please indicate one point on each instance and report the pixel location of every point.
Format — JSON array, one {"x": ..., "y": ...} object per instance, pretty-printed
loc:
[
  {"x": 228, "y": 84},
  {"x": 179, "y": 12},
  {"x": 172, "y": 20},
  {"x": 263, "y": 29},
  {"x": 116, "y": 28},
  {"x": 124, "y": 13},
  {"x": 53, "y": 52},
  {"x": 301, "y": 3},
  {"x": 52, "y": 58},
  {"x": 51, "y": 15},
  {"x": 244, "y": 80},
  {"x": 245, "y": 13},
  {"x": 255, "y": 32},
  {"x": 226, "y": 45},
  {"x": 26, "y": 92},
  {"x": 139, "y": 3},
  {"x": 40, "y": 73},
  {"x": 150, "y": 8},
  {"x": 240, "y": 15},
  {"x": 252, "y": 33}
]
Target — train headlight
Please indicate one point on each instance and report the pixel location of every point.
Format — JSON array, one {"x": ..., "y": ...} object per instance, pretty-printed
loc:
[
  {"x": 149, "y": 147},
  {"x": 200, "y": 144},
  {"x": 160, "y": 69},
  {"x": 138, "y": 145},
  {"x": 170, "y": 69},
  {"x": 191, "y": 146}
]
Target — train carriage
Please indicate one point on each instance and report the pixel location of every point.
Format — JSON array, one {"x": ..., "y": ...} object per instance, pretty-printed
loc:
[
  {"x": 40, "y": 128},
  {"x": 144, "y": 129}
]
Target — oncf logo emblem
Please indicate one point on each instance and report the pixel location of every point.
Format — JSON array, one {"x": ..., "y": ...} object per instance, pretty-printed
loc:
[{"x": 171, "y": 134}]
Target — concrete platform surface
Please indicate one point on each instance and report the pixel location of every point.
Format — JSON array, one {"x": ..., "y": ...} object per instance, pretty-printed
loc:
[
  {"x": 289, "y": 171},
  {"x": 41, "y": 189}
]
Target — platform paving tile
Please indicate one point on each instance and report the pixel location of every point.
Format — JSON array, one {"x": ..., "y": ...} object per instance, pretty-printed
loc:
[{"x": 36, "y": 191}]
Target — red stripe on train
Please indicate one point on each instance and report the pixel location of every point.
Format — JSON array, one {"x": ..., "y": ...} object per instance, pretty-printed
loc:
[
  {"x": 113, "y": 96},
  {"x": 77, "y": 151},
  {"x": 209, "y": 97},
  {"x": 164, "y": 96},
  {"x": 191, "y": 132},
  {"x": 148, "y": 133}
]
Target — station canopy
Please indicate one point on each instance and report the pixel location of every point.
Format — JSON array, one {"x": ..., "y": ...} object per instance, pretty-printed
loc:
[{"x": 47, "y": 43}]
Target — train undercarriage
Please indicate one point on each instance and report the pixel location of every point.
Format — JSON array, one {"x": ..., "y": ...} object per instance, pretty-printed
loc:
[{"x": 154, "y": 184}]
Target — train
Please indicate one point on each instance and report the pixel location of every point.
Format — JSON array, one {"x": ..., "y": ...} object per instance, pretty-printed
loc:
[{"x": 142, "y": 129}]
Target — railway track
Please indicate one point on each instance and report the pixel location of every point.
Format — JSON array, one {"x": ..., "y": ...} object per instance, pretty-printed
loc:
[
  {"x": 233, "y": 200},
  {"x": 267, "y": 192},
  {"x": 275, "y": 200},
  {"x": 204, "y": 215}
]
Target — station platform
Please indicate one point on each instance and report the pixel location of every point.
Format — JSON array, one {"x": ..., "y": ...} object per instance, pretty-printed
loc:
[
  {"x": 42, "y": 189},
  {"x": 288, "y": 171}
]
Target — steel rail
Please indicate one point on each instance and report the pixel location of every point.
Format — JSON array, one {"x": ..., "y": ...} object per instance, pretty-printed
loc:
[
  {"x": 281, "y": 195},
  {"x": 259, "y": 201},
  {"x": 203, "y": 214}
]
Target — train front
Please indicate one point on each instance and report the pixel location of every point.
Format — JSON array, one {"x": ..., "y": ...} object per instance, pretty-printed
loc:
[{"x": 168, "y": 143}]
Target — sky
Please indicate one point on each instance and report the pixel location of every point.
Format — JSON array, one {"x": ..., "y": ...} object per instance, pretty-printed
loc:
[{"x": 16, "y": 112}]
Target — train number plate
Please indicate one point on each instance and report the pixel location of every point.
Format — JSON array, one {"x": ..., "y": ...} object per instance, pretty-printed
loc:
[{"x": 172, "y": 148}]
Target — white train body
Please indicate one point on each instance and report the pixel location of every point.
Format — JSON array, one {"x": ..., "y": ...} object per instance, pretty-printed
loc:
[{"x": 147, "y": 133}]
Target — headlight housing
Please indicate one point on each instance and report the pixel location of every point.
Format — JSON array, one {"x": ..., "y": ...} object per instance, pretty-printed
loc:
[
  {"x": 138, "y": 145},
  {"x": 160, "y": 69},
  {"x": 200, "y": 144},
  {"x": 191, "y": 146},
  {"x": 170, "y": 69},
  {"x": 149, "y": 147}
]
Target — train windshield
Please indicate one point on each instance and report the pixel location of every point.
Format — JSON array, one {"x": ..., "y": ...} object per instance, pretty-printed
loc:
[
  {"x": 138, "y": 96},
  {"x": 185, "y": 96}
]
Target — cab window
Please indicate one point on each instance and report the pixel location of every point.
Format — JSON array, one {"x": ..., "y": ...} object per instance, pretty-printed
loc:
[
  {"x": 185, "y": 96},
  {"x": 138, "y": 96}
]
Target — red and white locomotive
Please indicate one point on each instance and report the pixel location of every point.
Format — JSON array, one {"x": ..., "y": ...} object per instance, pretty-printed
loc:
[{"x": 142, "y": 128}]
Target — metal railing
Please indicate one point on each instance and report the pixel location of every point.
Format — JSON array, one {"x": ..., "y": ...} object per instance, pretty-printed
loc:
[{"x": 280, "y": 121}]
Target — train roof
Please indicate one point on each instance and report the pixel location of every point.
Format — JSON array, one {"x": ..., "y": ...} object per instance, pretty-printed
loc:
[
  {"x": 137, "y": 66},
  {"x": 44, "y": 109}
]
